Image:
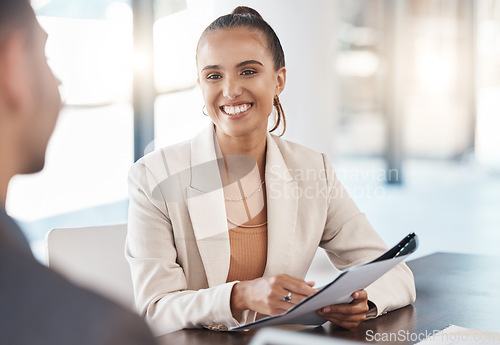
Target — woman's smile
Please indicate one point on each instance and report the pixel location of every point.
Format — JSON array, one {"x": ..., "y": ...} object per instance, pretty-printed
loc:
[{"x": 234, "y": 111}]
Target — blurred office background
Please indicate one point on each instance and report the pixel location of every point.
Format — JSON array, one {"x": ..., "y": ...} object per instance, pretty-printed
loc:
[{"x": 404, "y": 95}]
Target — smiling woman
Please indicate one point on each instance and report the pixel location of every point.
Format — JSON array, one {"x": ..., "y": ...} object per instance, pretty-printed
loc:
[{"x": 238, "y": 241}]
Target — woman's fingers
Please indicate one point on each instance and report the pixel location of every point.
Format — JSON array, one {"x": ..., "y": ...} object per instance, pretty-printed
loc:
[
  {"x": 360, "y": 295},
  {"x": 347, "y": 309},
  {"x": 294, "y": 285},
  {"x": 276, "y": 294},
  {"x": 290, "y": 299},
  {"x": 347, "y": 315},
  {"x": 357, "y": 306},
  {"x": 293, "y": 290},
  {"x": 343, "y": 316}
]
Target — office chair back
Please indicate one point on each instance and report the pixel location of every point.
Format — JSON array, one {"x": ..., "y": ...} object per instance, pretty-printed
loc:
[{"x": 93, "y": 257}]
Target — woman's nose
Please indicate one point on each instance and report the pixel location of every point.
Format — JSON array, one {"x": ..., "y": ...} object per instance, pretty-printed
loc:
[{"x": 232, "y": 89}]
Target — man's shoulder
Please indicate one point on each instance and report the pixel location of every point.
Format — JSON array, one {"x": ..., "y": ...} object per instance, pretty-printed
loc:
[{"x": 40, "y": 306}]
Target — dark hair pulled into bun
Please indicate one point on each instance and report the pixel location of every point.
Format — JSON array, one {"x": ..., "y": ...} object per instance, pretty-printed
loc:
[{"x": 246, "y": 11}]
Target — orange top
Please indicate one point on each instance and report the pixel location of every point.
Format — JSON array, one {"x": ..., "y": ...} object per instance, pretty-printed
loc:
[{"x": 248, "y": 245}]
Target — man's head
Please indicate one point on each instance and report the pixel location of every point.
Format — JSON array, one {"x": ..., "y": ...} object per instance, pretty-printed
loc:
[{"x": 29, "y": 96}]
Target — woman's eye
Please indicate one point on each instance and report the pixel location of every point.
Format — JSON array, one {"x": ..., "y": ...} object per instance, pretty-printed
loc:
[
  {"x": 213, "y": 76},
  {"x": 248, "y": 72}
]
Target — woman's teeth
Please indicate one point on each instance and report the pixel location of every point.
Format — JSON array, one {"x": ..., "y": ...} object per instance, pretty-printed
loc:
[{"x": 235, "y": 110}]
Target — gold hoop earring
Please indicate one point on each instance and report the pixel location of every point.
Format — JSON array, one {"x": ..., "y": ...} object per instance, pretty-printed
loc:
[
  {"x": 276, "y": 101},
  {"x": 280, "y": 115},
  {"x": 203, "y": 110}
]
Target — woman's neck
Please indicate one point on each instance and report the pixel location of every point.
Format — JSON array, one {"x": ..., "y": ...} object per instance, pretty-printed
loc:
[{"x": 253, "y": 146}]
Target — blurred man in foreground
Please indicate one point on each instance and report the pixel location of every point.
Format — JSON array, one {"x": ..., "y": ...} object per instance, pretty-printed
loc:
[{"x": 37, "y": 306}]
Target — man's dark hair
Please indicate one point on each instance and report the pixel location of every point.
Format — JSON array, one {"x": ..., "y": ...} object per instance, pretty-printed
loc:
[{"x": 16, "y": 15}]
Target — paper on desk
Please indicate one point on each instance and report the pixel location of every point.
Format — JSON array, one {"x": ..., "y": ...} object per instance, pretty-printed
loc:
[{"x": 338, "y": 291}]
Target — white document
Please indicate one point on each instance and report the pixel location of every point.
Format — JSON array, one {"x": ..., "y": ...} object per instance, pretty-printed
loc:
[{"x": 338, "y": 291}]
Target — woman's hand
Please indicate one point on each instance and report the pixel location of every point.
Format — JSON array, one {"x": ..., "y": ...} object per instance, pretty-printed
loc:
[
  {"x": 347, "y": 315},
  {"x": 266, "y": 295}
]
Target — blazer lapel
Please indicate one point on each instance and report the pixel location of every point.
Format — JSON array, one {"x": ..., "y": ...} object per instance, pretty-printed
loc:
[
  {"x": 282, "y": 207},
  {"x": 205, "y": 202}
]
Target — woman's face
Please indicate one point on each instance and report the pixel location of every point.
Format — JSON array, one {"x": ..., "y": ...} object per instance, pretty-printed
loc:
[{"x": 238, "y": 81}]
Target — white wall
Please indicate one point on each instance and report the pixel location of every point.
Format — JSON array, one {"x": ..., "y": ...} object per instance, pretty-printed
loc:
[{"x": 307, "y": 31}]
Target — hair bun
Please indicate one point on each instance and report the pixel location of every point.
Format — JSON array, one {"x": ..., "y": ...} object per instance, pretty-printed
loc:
[{"x": 246, "y": 11}]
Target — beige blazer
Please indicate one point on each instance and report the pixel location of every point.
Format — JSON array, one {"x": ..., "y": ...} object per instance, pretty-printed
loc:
[{"x": 178, "y": 242}]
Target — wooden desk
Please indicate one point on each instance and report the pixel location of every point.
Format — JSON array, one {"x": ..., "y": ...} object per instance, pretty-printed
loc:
[{"x": 455, "y": 289}]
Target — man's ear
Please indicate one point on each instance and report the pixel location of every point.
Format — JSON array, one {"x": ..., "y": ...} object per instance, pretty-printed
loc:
[
  {"x": 15, "y": 79},
  {"x": 281, "y": 79}
]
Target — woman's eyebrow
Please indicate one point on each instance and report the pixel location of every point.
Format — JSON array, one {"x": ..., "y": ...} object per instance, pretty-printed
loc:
[
  {"x": 241, "y": 64},
  {"x": 249, "y": 62},
  {"x": 210, "y": 67}
]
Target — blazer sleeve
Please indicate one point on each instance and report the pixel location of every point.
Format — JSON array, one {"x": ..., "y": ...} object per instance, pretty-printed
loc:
[
  {"x": 160, "y": 285},
  {"x": 349, "y": 239}
]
